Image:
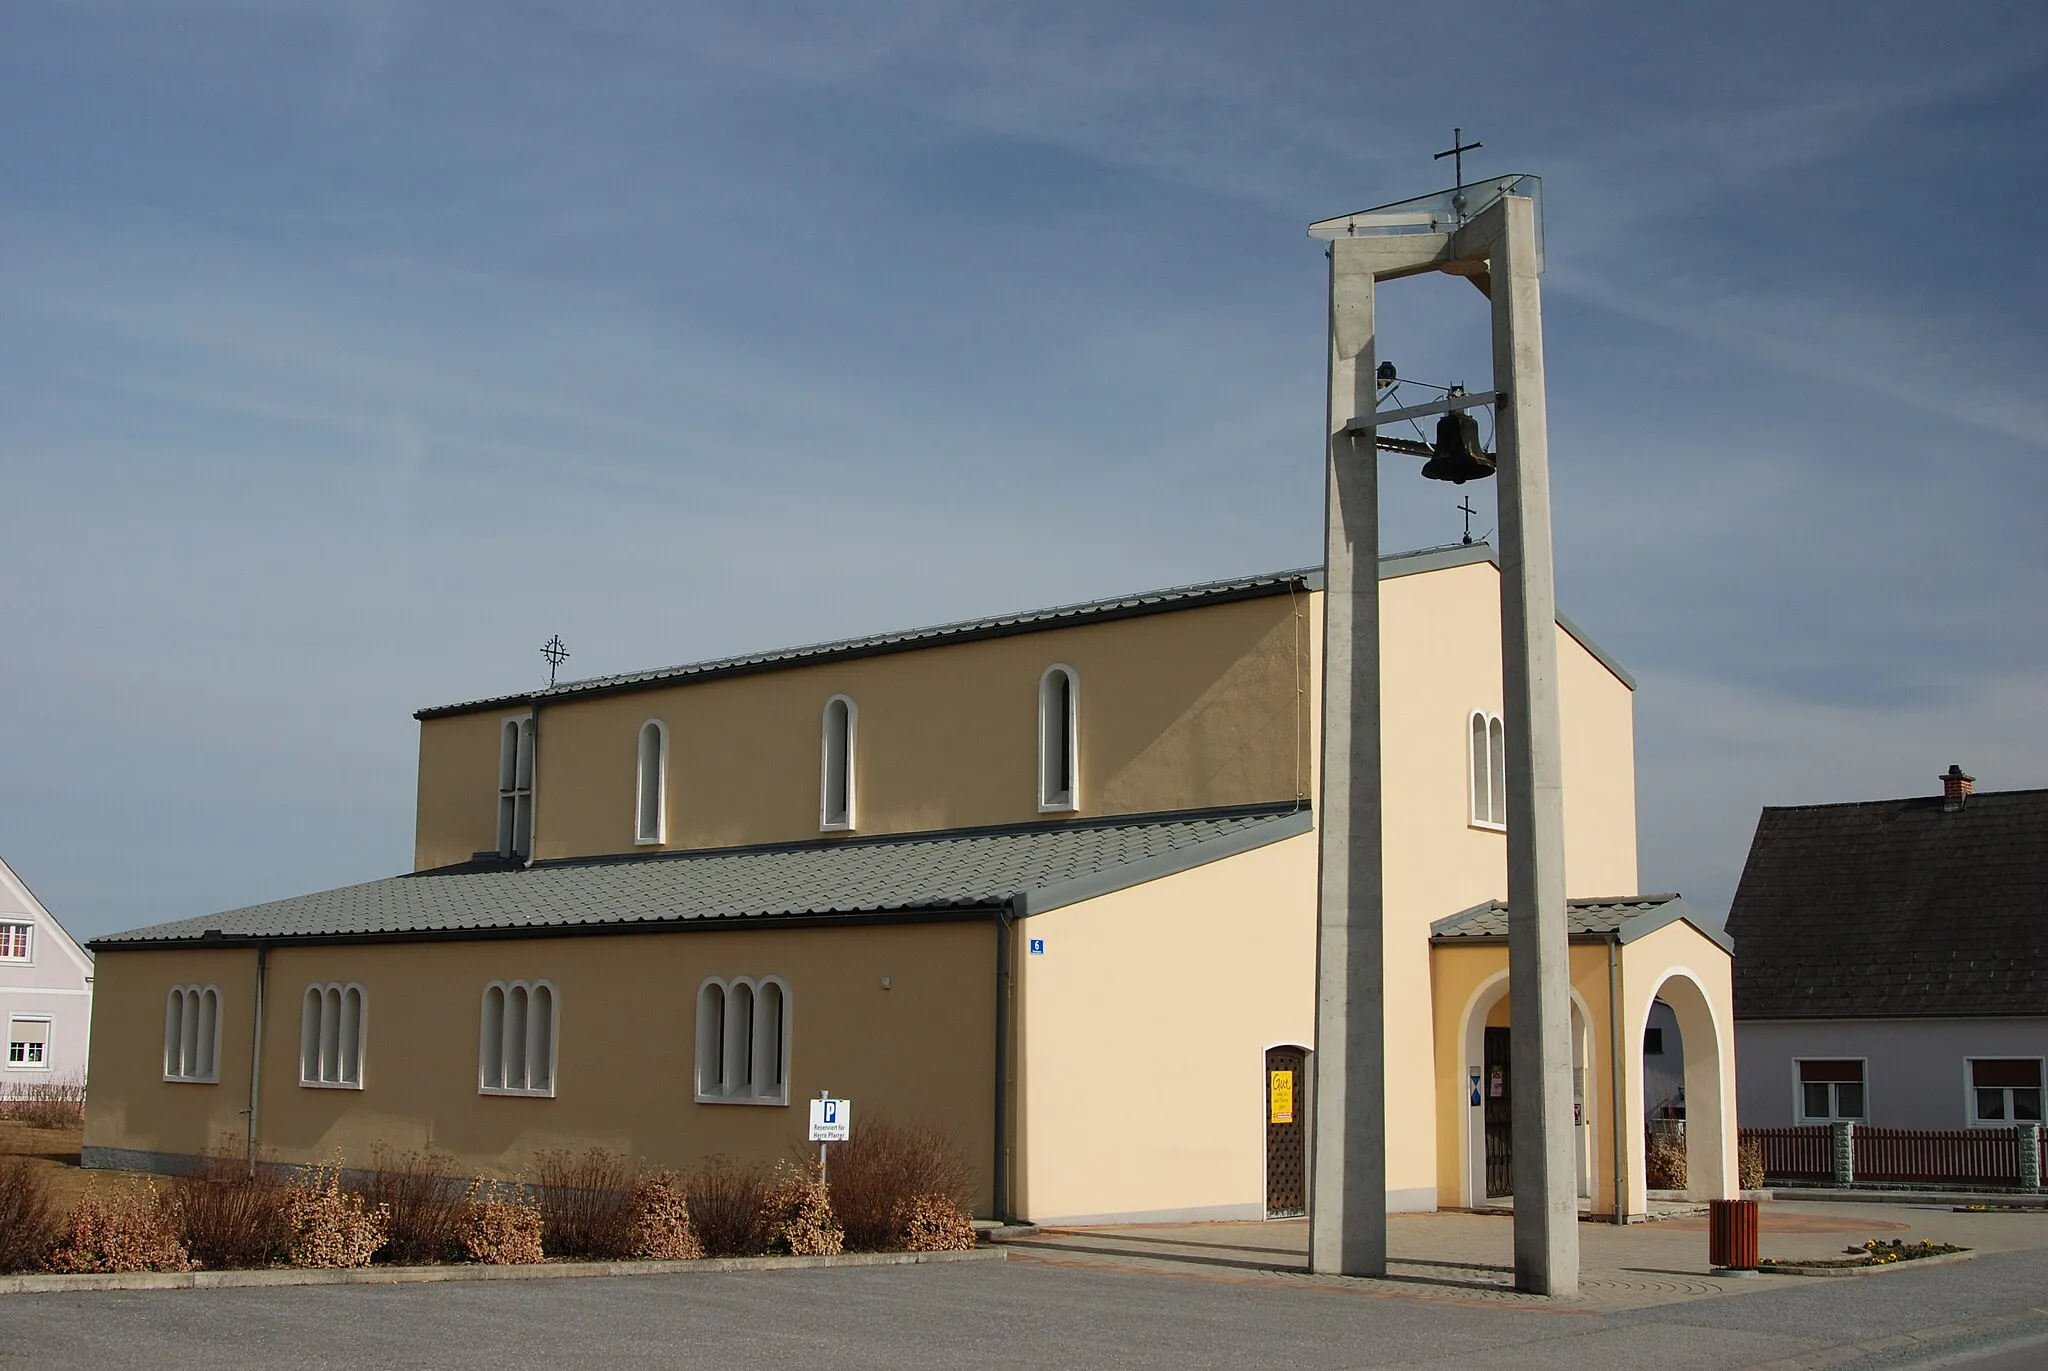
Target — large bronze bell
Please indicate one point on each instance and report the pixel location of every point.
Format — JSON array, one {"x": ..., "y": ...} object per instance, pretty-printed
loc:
[{"x": 1458, "y": 457}]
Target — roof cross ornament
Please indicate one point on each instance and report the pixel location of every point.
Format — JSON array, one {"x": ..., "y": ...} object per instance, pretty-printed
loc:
[
  {"x": 1465, "y": 506},
  {"x": 1456, "y": 152},
  {"x": 557, "y": 652}
]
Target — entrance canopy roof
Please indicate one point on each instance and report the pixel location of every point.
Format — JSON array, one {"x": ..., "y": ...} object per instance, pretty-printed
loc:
[{"x": 1621, "y": 919}]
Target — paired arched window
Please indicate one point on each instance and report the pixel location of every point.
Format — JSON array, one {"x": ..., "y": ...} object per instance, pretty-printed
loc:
[
  {"x": 331, "y": 1036},
  {"x": 515, "y": 787},
  {"x": 743, "y": 1040},
  {"x": 192, "y": 1033},
  {"x": 836, "y": 773},
  {"x": 1059, "y": 740},
  {"x": 1489, "y": 770},
  {"x": 516, "y": 1047},
  {"x": 650, "y": 804}
]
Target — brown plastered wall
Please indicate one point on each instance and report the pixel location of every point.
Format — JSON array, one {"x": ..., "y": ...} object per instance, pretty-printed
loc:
[
  {"x": 131, "y": 1104},
  {"x": 1187, "y": 709},
  {"x": 457, "y": 811},
  {"x": 924, "y": 1048}
]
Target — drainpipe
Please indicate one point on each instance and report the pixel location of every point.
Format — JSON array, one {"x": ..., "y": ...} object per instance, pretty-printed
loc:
[
  {"x": 1005, "y": 921},
  {"x": 256, "y": 1050},
  {"x": 1620, "y": 1094}
]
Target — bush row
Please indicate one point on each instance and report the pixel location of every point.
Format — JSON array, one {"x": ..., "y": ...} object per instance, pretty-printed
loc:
[
  {"x": 58, "y": 1103},
  {"x": 891, "y": 1188}
]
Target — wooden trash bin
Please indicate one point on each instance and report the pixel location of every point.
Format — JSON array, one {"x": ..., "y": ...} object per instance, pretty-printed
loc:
[{"x": 1731, "y": 1234}]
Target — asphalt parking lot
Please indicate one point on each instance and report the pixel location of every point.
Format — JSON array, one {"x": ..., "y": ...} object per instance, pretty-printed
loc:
[{"x": 1027, "y": 1312}]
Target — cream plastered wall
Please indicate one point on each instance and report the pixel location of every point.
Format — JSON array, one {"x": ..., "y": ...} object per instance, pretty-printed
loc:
[
  {"x": 1469, "y": 986},
  {"x": 924, "y": 1048},
  {"x": 1188, "y": 709},
  {"x": 1695, "y": 976},
  {"x": 1144, "y": 1028},
  {"x": 1441, "y": 659}
]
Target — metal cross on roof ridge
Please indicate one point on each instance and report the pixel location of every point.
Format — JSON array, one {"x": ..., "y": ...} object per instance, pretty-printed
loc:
[
  {"x": 557, "y": 652},
  {"x": 1456, "y": 152}
]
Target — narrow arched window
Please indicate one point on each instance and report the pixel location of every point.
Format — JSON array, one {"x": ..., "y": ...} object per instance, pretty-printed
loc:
[
  {"x": 331, "y": 1036},
  {"x": 491, "y": 1043},
  {"x": 517, "y": 1039},
  {"x": 650, "y": 806},
  {"x": 743, "y": 1040},
  {"x": 1059, "y": 741},
  {"x": 711, "y": 1038},
  {"x": 836, "y": 772},
  {"x": 192, "y": 1034},
  {"x": 1489, "y": 770},
  {"x": 515, "y": 787}
]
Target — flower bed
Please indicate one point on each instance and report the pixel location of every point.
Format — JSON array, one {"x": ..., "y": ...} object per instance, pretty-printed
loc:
[{"x": 1875, "y": 1252}]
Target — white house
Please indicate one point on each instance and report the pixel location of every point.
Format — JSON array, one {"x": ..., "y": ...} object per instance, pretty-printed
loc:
[{"x": 45, "y": 991}]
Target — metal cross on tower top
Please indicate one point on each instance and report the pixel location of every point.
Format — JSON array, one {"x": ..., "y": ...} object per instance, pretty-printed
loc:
[
  {"x": 1465, "y": 505},
  {"x": 1456, "y": 152},
  {"x": 557, "y": 652}
]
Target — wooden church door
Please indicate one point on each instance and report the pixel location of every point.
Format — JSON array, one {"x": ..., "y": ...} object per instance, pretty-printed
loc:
[{"x": 1286, "y": 1133}]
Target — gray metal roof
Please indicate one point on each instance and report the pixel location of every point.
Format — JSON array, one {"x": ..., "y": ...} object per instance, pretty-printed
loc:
[
  {"x": 970, "y": 630},
  {"x": 1032, "y": 868},
  {"x": 1621, "y": 918}
]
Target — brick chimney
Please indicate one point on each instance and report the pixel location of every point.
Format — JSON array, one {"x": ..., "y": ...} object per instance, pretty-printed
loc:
[{"x": 1955, "y": 788}]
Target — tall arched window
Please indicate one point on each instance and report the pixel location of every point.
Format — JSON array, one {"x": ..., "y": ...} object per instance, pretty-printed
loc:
[
  {"x": 517, "y": 1038},
  {"x": 331, "y": 1036},
  {"x": 1059, "y": 740},
  {"x": 192, "y": 1034},
  {"x": 743, "y": 1040},
  {"x": 515, "y": 787},
  {"x": 836, "y": 767},
  {"x": 1489, "y": 752},
  {"x": 650, "y": 805}
]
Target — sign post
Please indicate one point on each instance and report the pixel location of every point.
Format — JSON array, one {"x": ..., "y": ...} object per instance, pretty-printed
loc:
[{"x": 831, "y": 1122}]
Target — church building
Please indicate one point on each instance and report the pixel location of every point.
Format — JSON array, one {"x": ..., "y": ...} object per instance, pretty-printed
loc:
[{"x": 1048, "y": 879}]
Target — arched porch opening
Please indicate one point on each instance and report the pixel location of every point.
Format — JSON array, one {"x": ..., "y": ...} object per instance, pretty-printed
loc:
[
  {"x": 1700, "y": 1111},
  {"x": 1486, "y": 1038}
]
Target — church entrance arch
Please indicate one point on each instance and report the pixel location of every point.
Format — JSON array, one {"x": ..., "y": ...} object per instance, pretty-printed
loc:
[
  {"x": 1488, "y": 1039},
  {"x": 1286, "y": 1110}
]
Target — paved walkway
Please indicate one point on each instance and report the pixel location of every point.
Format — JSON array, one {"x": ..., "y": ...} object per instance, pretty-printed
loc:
[{"x": 1469, "y": 1257}]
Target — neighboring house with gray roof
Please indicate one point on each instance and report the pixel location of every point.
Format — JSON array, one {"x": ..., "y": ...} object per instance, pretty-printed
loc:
[
  {"x": 1893, "y": 961},
  {"x": 1042, "y": 878},
  {"x": 45, "y": 993}
]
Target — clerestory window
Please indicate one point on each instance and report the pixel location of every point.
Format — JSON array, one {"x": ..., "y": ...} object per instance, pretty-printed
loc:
[
  {"x": 650, "y": 805},
  {"x": 1489, "y": 770},
  {"x": 515, "y": 787},
  {"x": 1059, "y": 742},
  {"x": 840, "y": 735}
]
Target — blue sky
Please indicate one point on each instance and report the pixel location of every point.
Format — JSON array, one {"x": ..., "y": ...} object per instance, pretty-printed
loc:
[{"x": 349, "y": 350}]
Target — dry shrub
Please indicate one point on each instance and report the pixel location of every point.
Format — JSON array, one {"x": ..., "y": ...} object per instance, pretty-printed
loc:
[
  {"x": 586, "y": 1203},
  {"x": 1664, "y": 1162},
  {"x": 425, "y": 1201},
  {"x": 883, "y": 1169},
  {"x": 933, "y": 1223},
  {"x": 500, "y": 1224},
  {"x": 331, "y": 1226},
  {"x": 661, "y": 1228},
  {"x": 46, "y": 1104},
  {"x": 123, "y": 1232},
  {"x": 1749, "y": 1165},
  {"x": 726, "y": 1204},
  {"x": 797, "y": 1215},
  {"x": 231, "y": 1213},
  {"x": 29, "y": 1226}
]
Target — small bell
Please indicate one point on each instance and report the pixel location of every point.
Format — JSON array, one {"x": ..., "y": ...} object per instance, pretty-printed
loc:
[
  {"x": 1386, "y": 375},
  {"x": 1458, "y": 456}
]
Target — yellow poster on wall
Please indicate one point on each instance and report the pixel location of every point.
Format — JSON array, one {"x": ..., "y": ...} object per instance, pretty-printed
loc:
[{"x": 1281, "y": 1108}]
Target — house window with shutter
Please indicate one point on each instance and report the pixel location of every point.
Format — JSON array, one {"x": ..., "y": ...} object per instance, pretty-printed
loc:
[
  {"x": 2005, "y": 1091},
  {"x": 1831, "y": 1091}
]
